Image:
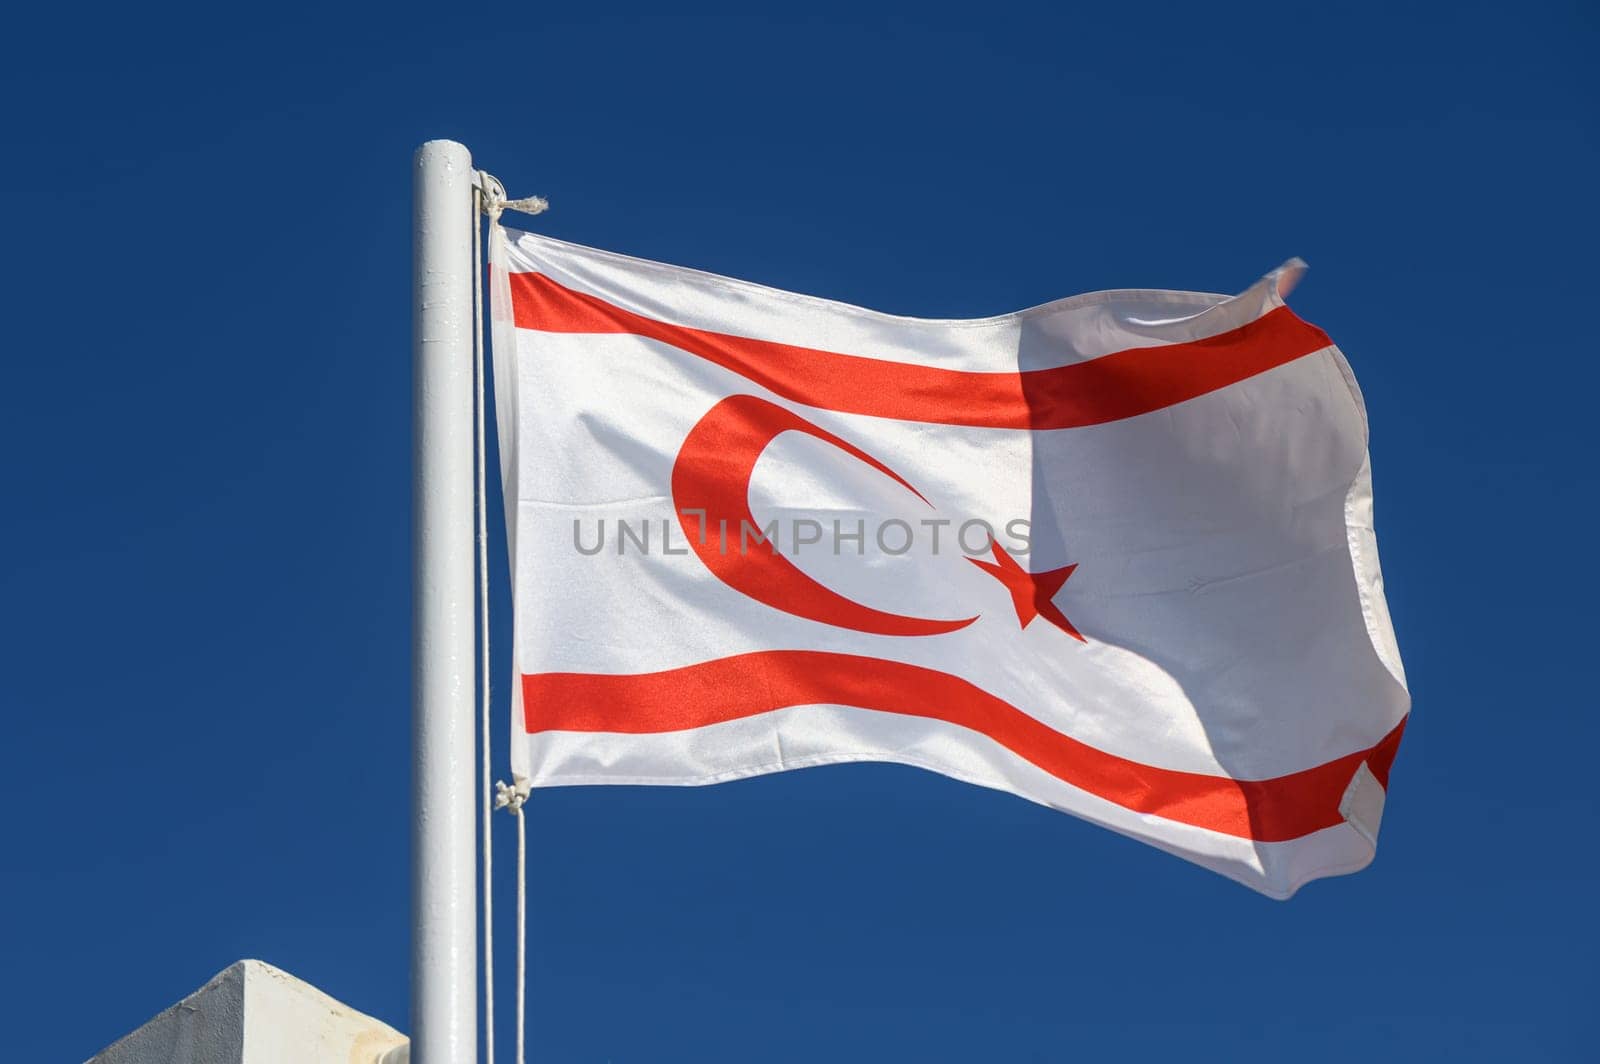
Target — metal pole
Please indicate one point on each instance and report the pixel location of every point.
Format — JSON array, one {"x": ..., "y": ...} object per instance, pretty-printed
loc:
[{"x": 444, "y": 949}]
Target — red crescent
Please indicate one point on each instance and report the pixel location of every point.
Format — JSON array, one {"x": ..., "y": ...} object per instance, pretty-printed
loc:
[{"x": 712, "y": 474}]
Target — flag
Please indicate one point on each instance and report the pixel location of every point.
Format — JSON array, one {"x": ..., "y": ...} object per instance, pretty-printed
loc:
[{"x": 1113, "y": 554}]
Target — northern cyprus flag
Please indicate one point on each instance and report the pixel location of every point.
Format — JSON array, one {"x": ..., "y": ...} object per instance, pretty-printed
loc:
[{"x": 1113, "y": 554}]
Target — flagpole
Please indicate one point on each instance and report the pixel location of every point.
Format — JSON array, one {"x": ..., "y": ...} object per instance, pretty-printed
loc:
[{"x": 443, "y": 847}]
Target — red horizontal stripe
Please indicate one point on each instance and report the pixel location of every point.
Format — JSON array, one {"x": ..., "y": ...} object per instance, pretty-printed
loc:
[
  {"x": 1109, "y": 388},
  {"x": 1273, "y": 810}
]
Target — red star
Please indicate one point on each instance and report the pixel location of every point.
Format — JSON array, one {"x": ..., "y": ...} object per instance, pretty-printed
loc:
[{"x": 1031, "y": 593}]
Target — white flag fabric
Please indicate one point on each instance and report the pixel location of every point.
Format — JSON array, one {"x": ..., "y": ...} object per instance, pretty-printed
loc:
[{"x": 1113, "y": 554}]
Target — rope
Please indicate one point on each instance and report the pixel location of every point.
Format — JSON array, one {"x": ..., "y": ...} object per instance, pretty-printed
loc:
[
  {"x": 513, "y": 797},
  {"x": 489, "y": 198},
  {"x": 485, "y": 764}
]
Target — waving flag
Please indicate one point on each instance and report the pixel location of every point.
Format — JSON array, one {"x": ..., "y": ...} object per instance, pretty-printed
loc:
[{"x": 1113, "y": 554}]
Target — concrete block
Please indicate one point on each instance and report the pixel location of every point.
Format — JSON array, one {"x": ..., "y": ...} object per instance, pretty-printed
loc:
[{"x": 253, "y": 1013}]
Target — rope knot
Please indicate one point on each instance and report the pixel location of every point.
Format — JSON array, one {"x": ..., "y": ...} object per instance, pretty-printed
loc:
[
  {"x": 494, "y": 200},
  {"x": 511, "y": 796}
]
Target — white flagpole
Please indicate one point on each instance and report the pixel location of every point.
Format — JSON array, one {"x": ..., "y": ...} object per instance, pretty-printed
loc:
[{"x": 444, "y": 952}]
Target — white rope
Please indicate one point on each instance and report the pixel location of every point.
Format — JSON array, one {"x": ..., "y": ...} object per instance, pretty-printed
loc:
[
  {"x": 485, "y": 763},
  {"x": 514, "y": 797},
  {"x": 489, "y": 197}
]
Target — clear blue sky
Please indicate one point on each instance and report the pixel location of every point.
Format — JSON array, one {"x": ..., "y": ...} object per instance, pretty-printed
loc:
[{"x": 204, "y": 557}]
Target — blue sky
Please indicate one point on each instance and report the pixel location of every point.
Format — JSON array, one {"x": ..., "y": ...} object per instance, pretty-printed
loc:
[{"x": 204, "y": 555}]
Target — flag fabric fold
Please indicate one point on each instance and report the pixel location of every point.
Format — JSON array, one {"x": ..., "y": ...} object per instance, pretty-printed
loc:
[{"x": 1113, "y": 554}]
